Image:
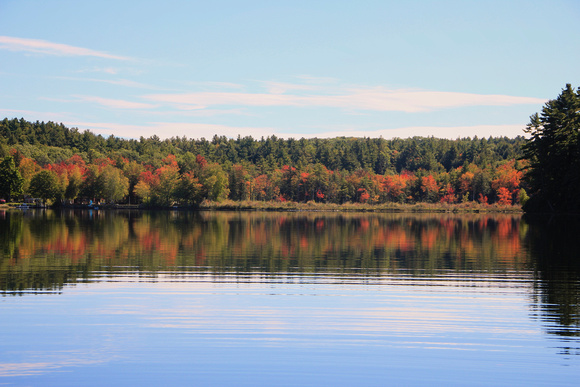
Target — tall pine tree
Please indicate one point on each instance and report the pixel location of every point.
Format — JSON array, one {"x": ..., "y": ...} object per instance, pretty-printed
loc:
[
  {"x": 554, "y": 154},
  {"x": 11, "y": 181}
]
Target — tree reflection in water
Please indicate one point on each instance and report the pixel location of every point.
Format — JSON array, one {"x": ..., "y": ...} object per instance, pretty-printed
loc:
[
  {"x": 45, "y": 250},
  {"x": 553, "y": 245}
]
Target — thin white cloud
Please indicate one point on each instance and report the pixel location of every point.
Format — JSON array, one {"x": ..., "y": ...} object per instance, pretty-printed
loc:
[
  {"x": 379, "y": 99},
  {"x": 203, "y": 113},
  {"x": 32, "y": 115},
  {"x": 317, "y": 80},
  {"x": 115, "y": 103},
  {"x": 127, "y": 83},
  {"x": 118, "y": 82},
  {"x": 375, "y": 99},
  {"x": 106, "y": 70},
  {"x": 196, "y": 130},
  {"x": 205, "y": 99},
  {"x": 282, "y": 87},
  {"x": 214, "y": 85},
  {"x": 55, "y": 99},
  {"x": 49, "y": 48},
  {"x": 449, "y": 132},
  {"x": 170, "y": 129}
]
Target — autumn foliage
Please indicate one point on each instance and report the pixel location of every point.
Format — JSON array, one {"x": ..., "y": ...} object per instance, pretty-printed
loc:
[
  {"x": 182, "y": 172},
  {"x": 173, "y": 184}
]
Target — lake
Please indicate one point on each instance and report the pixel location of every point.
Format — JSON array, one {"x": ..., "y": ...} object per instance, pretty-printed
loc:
[{"x": 287, "y": 299}]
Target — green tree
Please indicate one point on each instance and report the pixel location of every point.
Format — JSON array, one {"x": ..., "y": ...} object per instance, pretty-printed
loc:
[
  {"x": 164, "y": 191},
  {"x": 4, "y": 151},
  {"x": 164, "y": 182},
  {"x": 481, "y": 184},
  {"x": 114, "y": 186},
  {"x": 11, "y": 181},
  {"x": 239, "y": 179},
  {"x": 132, "y": 171},
  {"x": 91, "y": 187},
  {"x": 188, "y": 190},
  {"x": 214, "y": 182},
  {"x": 143, "y": 191},
  {"x": 45, "y": 185},
  {"x": 553, "y": 151},
  {"x": 75, "y": 180}
]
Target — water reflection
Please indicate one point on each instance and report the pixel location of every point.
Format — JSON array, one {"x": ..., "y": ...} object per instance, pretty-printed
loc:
[
  {"x": 367, "y": 290},
  {"x": 553, "y": 245},
  {"x": 44, "y": 250}
]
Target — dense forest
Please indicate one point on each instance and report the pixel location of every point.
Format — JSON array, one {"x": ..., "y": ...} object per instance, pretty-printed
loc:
[{"x": 60, "y": 164}]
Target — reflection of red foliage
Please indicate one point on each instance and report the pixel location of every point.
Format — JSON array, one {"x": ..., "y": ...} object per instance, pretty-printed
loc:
[
  {"x": 319, "y": 224},
  {"x": 200, "y": 257},
  {"x": 429, "y": 238},
  {"x": 260, "y": 236},
  {"x": 364, "y": 225},
  {"x": 483, "y": 223},
  {"x": 303, "y": 241},
  {"x": 503, "y": 228},
  {"x": 507, "y": 241},
  {"x": 448, "y": 226},
  {"x": 467, "y": 239}
]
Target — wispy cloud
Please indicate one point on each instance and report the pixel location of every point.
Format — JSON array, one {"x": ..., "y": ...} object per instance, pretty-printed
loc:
[
  {"x": 213, "y": 85},
  {"x": 203, "y": 113},
  {"x": 33, "y": 115},
  {"x": 115, "y": 103},
  {"x": 450, "y": 132},
  {"x": 199, "y": 130},
  {"x": 375, "y": 99},
  {"x": 206, "y": 99},
  {"x": 49, "y": 48},
  {"x": 282, "y": 87},
  {"x": 105, "y": 70},
  {"x": 170, "y": 129},
  {"x": 127, "y": 83},
  {"x": 117, "y": 82},
  {"x": 317, "y": 80}
]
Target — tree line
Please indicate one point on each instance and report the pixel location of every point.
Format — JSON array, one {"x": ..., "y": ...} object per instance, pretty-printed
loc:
[{"x": 57, "y": 163}]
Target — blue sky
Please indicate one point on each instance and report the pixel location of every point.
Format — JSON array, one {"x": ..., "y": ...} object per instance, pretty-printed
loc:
[{"x": 290, "y": 68}]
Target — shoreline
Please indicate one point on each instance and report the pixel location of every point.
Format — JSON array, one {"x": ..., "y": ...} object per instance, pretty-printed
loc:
[
  {"x": 360, "y": 207},
  {"x": 229, "y": 205}
]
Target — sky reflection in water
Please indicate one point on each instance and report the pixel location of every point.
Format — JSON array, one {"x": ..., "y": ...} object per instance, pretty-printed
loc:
[{"x": 323, "y": 299}]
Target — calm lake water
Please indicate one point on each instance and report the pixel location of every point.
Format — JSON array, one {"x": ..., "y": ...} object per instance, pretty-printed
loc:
[{"x": 298, "y": 299}]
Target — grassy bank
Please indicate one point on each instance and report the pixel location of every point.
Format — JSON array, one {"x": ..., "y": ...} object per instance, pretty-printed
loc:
[
  {"x": 357, "y": 207},
  {"x": 230, "y": 205}
]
